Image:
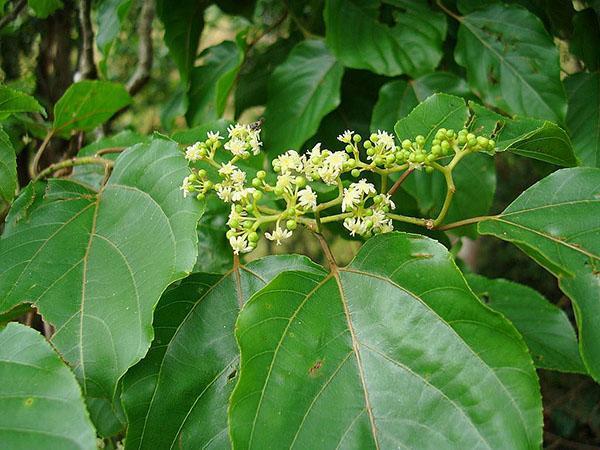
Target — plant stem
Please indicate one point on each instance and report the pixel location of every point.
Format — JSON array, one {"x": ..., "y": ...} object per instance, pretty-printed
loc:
[
  {"x": 464, "y": 222},
  {"x": 400, "y": 180},
  {"x": 106, "y": 151},
  {"x": 427, "y": 223},
  {"x": 336, "y": 217},
  {"x": 447, "y": 11},
  {"x": 450, "y": 190},
  {"x": 327, "y": 252},
  {"x": 73, "y": 162},
  {"x": 335, "y": 201},
  {"x": 35, "y": 162}
]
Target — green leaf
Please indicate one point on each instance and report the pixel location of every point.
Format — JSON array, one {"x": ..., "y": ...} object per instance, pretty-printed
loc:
[
  {"x": 398, "y": 98},
  {"x": 43, "y": 8},
  {"x": 474, "y": 177},
  {"x": 360, "y": 350},
  {"x": 545, "y": 328},
  {"x": 13, "y": 101},
  {"x": 8, "y": 168},
  {"x": 511, "y": 61},
  {"x": 190, "y": 136},
  {"x": 211, "y": 82},
  {"x": 302, "y": 91},
  {"x": 96, "y": 263},
  {"x": 40, "y": 399},
  {"x": 88, "y": 104},
  {"x": 183, "y": 21},
  {"x": 111, "y": 14},
  {"x": 407, "y": 39},
  {"x": 556, "y": 222},
  {"x": 533, "y": 138},
  {"x": 178, "y": 394},
  {"x": 586, "y": 32},
  {"x": 583, "y": 116}
]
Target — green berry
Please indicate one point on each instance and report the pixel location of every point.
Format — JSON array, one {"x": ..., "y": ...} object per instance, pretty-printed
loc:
[
  {"x": 430, "y": 157},
  {"x": 436, "y": 142},
  {"x": 420, "y": 140},
  {"x": 256, "y": 182},
  {"x": 250, "y": 208},
  {"x": 202, "y": 173},
  {"x": 389, "y": 159},
  {"x": 300, "y": 182},
  {"x": 483, "y": 141},
  {"x": 378, "y": 160},
  {"x": 406, "y": 144},
  {"x": 462, "y": 139},
  {"x": 368, "y": 144},
  {"x": 234, "y": 223},
  {"x": 374, "y": 137},
  {"x": 370, "y": 151},
  {"x": 369, "y": 212},
  {"x": 261, "y": 174},
  {"x": 471, "y": 136},
  {"x": 445, "y": 146},
  {"x": 472, "y": 142},
  {"x": 355, "y": 173},
  {"x": 420, "y": 157},
  {"x": 349, "y": 148},
  {"x": 276, "y": 168},
  {"x": 450, "y": 134},
  {"x": 436, "y": 150},
  {"x": 291, "y": 225},
  {"x": 356, "y": 138},
  {"x": 253, "y": 236}
]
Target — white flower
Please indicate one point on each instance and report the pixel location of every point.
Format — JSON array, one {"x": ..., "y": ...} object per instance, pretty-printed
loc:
[
  {"x": 242, "y": 194},
  {"x": 214, "y": 136},
  {"x": 315, "y": 152},
  {"x": 285, "y": 182},
  {"x": 239, "y": 244},
  {"x": 387, "y": 201},
  {"x": 364, "y": 187},
  {"x": 237, "y": 147},
  {"x": 255, "y": 143},
  {"x": 346, "y": 137},
  {"x": 355, "y": 225},
  {"x": 225, "y": 193},
  {"x": 187, "y": 186},
  {"x": 352, "y": 197},
  {"x": 278, "y": 235},
  {"x": 332, "y": 165},
  {"x": 192, "y": 153},
  {"x": 238, "y": 177},
  {"x": 227, "y": 169},
  {"x": 288, "y": 162},
  {"x": 307, "y": 198},
  {"x": 386, "y": 140},
  {"x": 243, "y": 138}
]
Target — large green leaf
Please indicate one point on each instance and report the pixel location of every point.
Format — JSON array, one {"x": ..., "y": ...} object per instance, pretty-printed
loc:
[
  {"x": 183, "y": 21},
  {"x": 40, "y": 399},
  {"x": 583, "y": 116},
  {"x": 398, "y": 98},
  {"x": 533, "y": 138},
  {"x": 556, "y": 222},
  {"x": 302, "y": 91},
  {"x": 394, "y": 351},
  {"x": 545, "y": 327},
  {"x": 88, "y": 104},
  {"x": 177, "y": 396},
  {"x": 511, "y": 61},
  {"x": 474, "y": 177},
  {"x": 8, "y": 168},
  {"x": 13, "y": 101},
  {"x": 586, "y": 35},
  {"x": 211, "y": 82},
  {"x": 408, "y": 40},
  {"x": 96, "y": 263}
]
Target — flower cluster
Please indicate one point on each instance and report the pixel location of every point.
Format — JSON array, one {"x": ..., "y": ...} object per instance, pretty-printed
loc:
[{"x": 364, "y": 210}]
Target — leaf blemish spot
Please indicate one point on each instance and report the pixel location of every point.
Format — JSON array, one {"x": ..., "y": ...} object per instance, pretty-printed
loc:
[{"x": 314, "y": 370}]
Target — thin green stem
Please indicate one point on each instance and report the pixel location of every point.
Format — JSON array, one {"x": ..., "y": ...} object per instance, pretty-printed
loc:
[
  {"x": 450, "y": 190},
  {"x": 335, "y": 201},
  {"x": 462, "y": 223},
  {"x": 74, "y": 162},
  {"x": 427, "y": 223},
  {"x": 384, "y": 182},
  {"x": 336, "y": 217},
  {"x": 35, "y": 162}
]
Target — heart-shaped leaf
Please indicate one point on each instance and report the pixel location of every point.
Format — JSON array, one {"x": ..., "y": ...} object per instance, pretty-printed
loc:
[
  {"x": 96, "y": 263},
  {"x": 360, "y": 350}
]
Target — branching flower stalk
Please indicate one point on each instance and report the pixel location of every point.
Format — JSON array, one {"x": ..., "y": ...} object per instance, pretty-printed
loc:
[{"x": 363, "y": 210}]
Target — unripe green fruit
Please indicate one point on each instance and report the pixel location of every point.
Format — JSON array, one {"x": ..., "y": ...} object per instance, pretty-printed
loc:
[
  {"x": 483, "y": 141},
  {"x": 202, "y": 152},
  {"x": 436, "y": 150},
  {"x": 357, "y": 138},
  {"x": 202, "y": 173},
  {"x": 420, "y": 140},
  {"x": 250, "y": 208},
  {"x": 368, "y": 144},
  {"x": 420, "y": 157},
  {"x": 369, "y": 212},
  {"x": 389, "y": 159},
  {"x": 261, "y": 174},
  {"x": 256, "y": 182},
  {"x": 291, "y": 225},
  {"x": 374, "y": 137},
  {"x": 253, "y": 236},
  {"x": 370, "y": 151},
  {"x": 471, "y": 136},
  {"x": 386, "y": 209},
  {"x": 430, "y": 157},
  {"x": 349, "y": 148},
  {"x": 351, "y": 163},
  {"x": 355, "y": 173},
  {"x": 445, "y": 146},
  {"x": 436, "y": 142},
  {"x": 406, "y": 144},
  {"x": 472, "y": 142},
  {"x": 462, "y": 139},
  {"x": 190, "y": 189},
  {"x": 377, "y": 199},
  {"x": 412, "y": 157},
  {"x": 300, "y": 182},
  {"x": 450, "y": 134},
  {"x": 399, "y": 156},
  {"x": 379, "y": 160},
  {"x": 276, "y": 168},
  {"x": 369, "y": 223}
]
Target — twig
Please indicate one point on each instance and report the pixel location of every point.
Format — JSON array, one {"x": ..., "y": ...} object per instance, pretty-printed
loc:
[
  {"x": 464, "y": 222},
  {"x": 327, "y": 252},
  {"x": 141, "y": 76},
  {"x": 13, "y": 14},
  {"x": 400, "y": 180},
  {"x": 35, "y": 162},
  {"x": 109, "y": 150},
  {"x": 87, "y": 68},
  {"x": 73, "y": 162}
]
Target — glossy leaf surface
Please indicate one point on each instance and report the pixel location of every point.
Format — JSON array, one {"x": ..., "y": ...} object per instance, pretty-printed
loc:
[
  {"x": 556, "y": 222},
  {"x": 361, "y": 350},
  {"x": 40, "y": 399}
]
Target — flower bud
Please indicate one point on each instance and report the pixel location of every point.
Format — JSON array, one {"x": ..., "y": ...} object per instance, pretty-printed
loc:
[
  {"x": 261, "y": 174},
  {"x": 291, "y": 225},
  {"x": 355, "y": 173}
]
